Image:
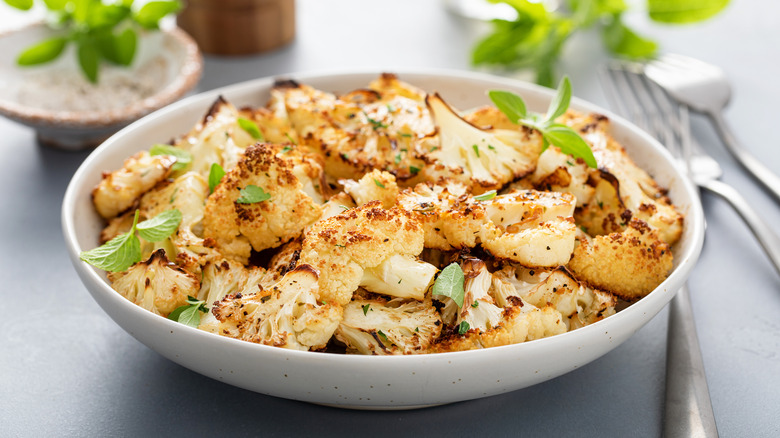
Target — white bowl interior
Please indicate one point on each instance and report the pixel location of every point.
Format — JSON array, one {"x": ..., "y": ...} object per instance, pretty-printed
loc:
[{"x": 360, "y": 381}]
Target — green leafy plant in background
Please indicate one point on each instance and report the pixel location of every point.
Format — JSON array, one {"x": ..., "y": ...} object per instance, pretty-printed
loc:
[
  {"x": 534, "y": 40},
  {"x": 101, "y": 31}
]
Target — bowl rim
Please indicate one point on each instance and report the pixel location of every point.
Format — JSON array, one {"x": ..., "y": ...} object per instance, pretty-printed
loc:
[
  {"x": 187, "y": 77},
  {"x": 659, "y": 297}
]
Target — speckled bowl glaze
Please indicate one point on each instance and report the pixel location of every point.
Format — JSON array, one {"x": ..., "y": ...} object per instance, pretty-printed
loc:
[
  {"x": 371, "y": 382},
  {"x": 86, "y": 129}
]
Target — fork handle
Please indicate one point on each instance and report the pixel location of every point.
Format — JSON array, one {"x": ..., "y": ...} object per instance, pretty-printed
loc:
[
  {"x": 756, "y": 169},
  {"x": 688, "y": 409},
  {"x": 764, "y": 234}
]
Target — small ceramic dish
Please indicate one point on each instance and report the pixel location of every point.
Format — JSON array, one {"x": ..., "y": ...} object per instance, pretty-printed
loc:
[
  {"x": 371, "y": 382},
  {"x": 51, "y": 98}
]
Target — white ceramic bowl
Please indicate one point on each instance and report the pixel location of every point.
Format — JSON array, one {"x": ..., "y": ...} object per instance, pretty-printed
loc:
[
  {"x": 177, "y": 72},
  {"x": 371, "y": 382}
]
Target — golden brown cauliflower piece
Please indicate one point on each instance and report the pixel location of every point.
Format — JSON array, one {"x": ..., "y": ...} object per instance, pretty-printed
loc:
[
  {"x": 625, "y": 190},
  {"x": 629, "y": 264},
  {"x": 379, "y": 327},
  {"x": 578, "y": 304},
  {"x": 489, "y": 320},
  {"x": 289, "y": 314},
  {"x": 292, "y": 179},
  {"x": 342, "y": 247},
  {"x": 119, "y": 190},
  {"x": 373, "y": 185},
  {"x": 359, "y": 131},
  {"x": 520, "y": 322},
  {"x": 530, "y": 227},
  {"x": 219, "y": 138},
  {"x": 482, "y": 159},
  {"x": 156, "y": 284}
]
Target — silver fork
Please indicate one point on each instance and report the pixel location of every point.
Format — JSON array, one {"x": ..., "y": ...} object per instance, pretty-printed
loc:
[
  {"x": 688, "y": 409},
  {"x": 643, "y": 101},
  {"x": 704, "y": 88}
]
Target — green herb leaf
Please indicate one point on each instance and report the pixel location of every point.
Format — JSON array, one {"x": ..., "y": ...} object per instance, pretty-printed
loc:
[
  {"x": 414, "y": 170},
  {"x": 379, "y": 183},
  {"x": 486, "y": 196},
  {"x": 151, "y": 13},
  {"x": 510, "y": 104},
  {"x": 463, "y": 327},
  {"x": 190, "y": 313},
  {"x": 286, "y": 149},
  {"x": 251, "y": 128},
  {"x": 449, "y": 283},
  {"x": 54, "y": 5},
  {"x": 621, "y": 40},
  {"x": 561, "y": 135},
  {"x": 684, "y": 11},
  {"x": 215, "y": 176},
  {"x": 252, "y": 194},
  {"x": 42, "y": 52},
  {"x": 560, "y": 102},
  {"x": 476, "y": 149},
  {"x": 475, "y": 304},
  {"x": 570, "y": 143},
  {"x": 124, "y": 46},
  {"x": 382, "y": 334},
  {"x": 183, "y": 158},
  {"x": 24, "y": 5},
  {"x": 88, "y": 60},
  {"x": 366, "y": 308},
  {"x": 117, "y": 254},
  {"x": 159, "y": 227}
]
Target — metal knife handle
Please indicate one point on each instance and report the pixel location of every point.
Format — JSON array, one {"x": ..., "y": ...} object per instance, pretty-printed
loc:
[
  {"x": 688, "y": 411},
  {"x": 757, "y": 170}
]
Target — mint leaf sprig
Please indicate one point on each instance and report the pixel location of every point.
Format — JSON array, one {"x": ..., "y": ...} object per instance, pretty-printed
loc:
[
  {"x": 536, "y": 38},
  {"x": 252, "y": 194},
  {"x": 124, "y": 250},
  {"x": 190, "y": 313},
  {"x": 101, "y": 31},
  {"x": 558, "y": 134}
]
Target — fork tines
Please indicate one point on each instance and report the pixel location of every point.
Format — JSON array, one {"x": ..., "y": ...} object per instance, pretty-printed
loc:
[{"x": 633, "y": 95}]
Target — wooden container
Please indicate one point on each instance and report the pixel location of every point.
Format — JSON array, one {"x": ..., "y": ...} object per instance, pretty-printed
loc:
[{"x": 239, "y": 27}]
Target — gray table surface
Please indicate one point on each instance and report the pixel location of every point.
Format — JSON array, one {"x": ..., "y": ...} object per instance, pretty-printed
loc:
[{"x": 68, "y": 370}]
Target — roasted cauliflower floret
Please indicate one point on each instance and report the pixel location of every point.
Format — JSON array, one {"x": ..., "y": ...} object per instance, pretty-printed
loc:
[
  {"x": 579, "y": 304},
  {"x": 373, "y": 185},
  {"x": 289, "y": 178},
  {"x": 626, "y": 191},
  {"x": 342, "y": 247},
  {"x": 357, "y": 132},
  {"x": 156, "y": 284},
  {"x": 226, "y": 277},
  {"x": 629, "y": 264},
  {"x": 530, "y": 227},
  {"x": 482, "y": 159},
  {"x": 559, "y": 172},
  {"x": 401, "y": 276},
  {"x": 479, "y": 310},
  {"x": 449, "y": 217},
  {"x": 379, "y": 327},
  {"x": 186, "y": 245},
  {"x": 119, "y": 190},
  {"x": 219, "y": 137},
  {"x": 520, "y": 322},
  {"x": 288, "y": 314}
]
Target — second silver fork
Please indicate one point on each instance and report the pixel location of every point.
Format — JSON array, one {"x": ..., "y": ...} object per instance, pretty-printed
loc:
[
  {"x": 633, "y": 94},
  {"x": 688, "y": 409}
]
